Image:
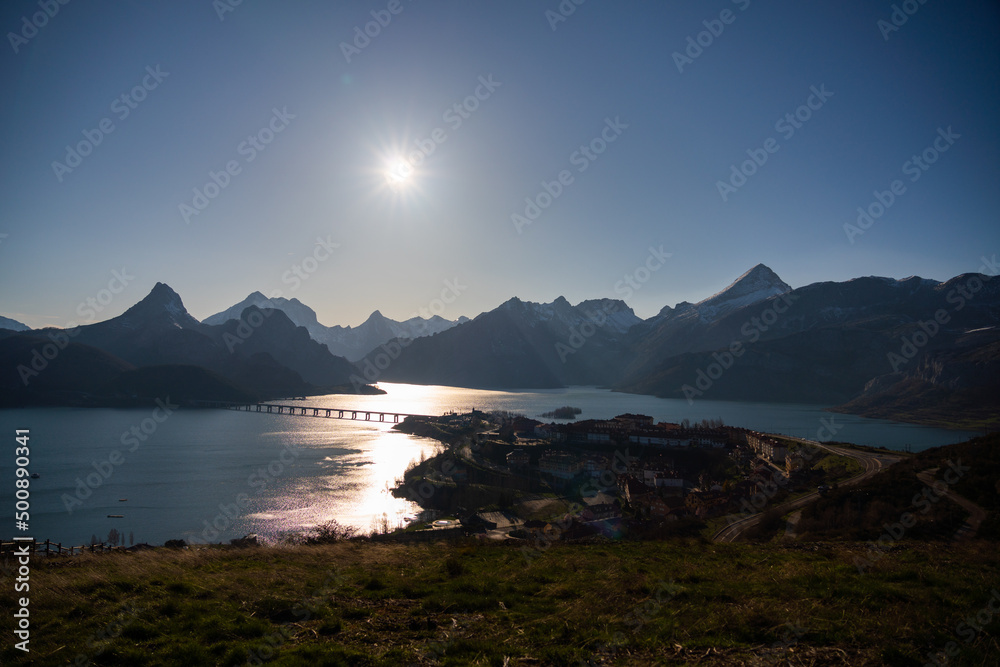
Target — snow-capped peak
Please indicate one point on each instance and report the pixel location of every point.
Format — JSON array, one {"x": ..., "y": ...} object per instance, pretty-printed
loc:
[{"x": 755, "y": 285}]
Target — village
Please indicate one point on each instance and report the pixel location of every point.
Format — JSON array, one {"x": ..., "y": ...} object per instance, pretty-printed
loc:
[{"x": 508, "y": 477}]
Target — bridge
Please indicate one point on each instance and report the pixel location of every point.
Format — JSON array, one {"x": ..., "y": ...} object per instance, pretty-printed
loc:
[{"x": 328, "y": 413}]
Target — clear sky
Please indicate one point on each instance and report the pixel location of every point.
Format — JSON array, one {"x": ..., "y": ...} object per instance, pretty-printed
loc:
[{"x": 333, "y": 139}]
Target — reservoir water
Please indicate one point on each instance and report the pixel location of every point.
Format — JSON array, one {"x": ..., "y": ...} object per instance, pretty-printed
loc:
[{"x": 213, "y": 475}]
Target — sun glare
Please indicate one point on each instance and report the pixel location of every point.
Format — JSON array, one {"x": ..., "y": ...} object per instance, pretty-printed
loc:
[{"x": 399, "y": 173}]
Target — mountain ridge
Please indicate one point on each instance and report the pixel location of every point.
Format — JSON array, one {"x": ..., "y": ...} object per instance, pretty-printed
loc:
[{"x": 353, "y": 343}]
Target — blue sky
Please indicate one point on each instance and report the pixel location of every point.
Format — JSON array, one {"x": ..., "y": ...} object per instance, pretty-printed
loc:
[{"x": 346, "y": 126}]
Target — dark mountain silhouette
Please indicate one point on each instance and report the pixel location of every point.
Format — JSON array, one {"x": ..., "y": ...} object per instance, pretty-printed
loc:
[
  {"x": 270, "y": 332},
  {"x": 34, "y": 370},
  {"x": 828, "y": 343},
  {"x": 181, "y": 384},
  {"x": 12, "y": 325},
  {"x": 757, "y": 340},
  {"x": 264, "y": 355},
  {"x": 519, "y": 344},
  {"x": 350, "y": 342}
]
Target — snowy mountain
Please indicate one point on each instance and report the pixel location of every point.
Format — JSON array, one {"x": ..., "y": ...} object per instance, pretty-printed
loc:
[
  {"x": 755, "y": 285},
  {"x": 350, "y": 342},
  {"x": 611, "y": 315},
  {"x": 12, "y": 325},
  {"x": 299, "y": 313}
]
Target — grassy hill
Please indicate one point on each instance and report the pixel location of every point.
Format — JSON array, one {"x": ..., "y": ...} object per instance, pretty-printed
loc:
[
  {"x": 970, "y": 469},
  {"x": 683, "y": 602}
]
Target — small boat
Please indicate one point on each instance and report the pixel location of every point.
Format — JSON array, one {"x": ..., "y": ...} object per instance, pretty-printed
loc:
[
  {"x": 116, "y": 516},
  {"x": 121, "y": 500}
]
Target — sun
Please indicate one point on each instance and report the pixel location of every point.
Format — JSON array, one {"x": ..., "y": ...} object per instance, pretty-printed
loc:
[{"x": 399, "y": 173}]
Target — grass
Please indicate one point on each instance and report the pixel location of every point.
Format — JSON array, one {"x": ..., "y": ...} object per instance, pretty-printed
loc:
[
  {"x": 838, "y": 468},
  {"x": 461, "y": 603}
]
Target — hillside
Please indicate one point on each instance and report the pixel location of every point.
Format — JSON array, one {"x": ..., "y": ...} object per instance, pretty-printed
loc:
[
  {"x": 970, "y": 469},
  {"x": 464, "y": 603}
]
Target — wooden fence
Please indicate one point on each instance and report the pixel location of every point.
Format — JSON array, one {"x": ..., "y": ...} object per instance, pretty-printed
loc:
[{"x": 49, "y": 548}]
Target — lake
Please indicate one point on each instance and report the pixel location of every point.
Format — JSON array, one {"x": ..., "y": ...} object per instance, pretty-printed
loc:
[{"x": 212, "y": 475}]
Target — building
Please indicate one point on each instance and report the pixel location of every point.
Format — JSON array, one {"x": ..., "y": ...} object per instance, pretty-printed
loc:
[
  {"x": 560, "y": 464},
  {"x": 768, "y": 448},
  {"x": 518, "y": 459},
  {"x": 595, "y": 466},
  {"x": 706, "y": 504},
  {"x": 631, "y": 489},
  {"x": 630, "y": 422},
  {"x": 669, "y": 485}
]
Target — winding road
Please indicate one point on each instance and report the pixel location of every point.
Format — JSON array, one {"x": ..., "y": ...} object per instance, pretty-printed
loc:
[{"x": 872, "y": 464}]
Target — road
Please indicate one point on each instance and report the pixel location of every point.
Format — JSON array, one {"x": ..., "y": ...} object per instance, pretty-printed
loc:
[
  {"x": 871, "y": 463},
  {"x": 976, "y": 513}
]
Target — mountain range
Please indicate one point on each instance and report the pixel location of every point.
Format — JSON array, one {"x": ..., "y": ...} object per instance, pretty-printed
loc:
[
  {"x": 913, "y": 349},
  {"x": 157, "y": 349},
  {"x": 834, "y": 343},
  {"x": 351, "y": 343},
  {"x": 12, "y": 325}
]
